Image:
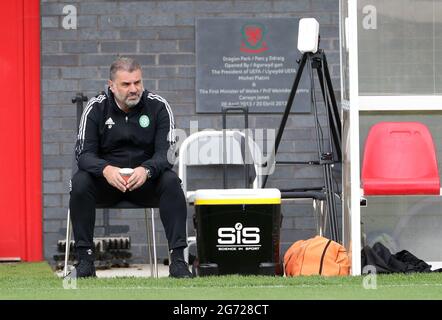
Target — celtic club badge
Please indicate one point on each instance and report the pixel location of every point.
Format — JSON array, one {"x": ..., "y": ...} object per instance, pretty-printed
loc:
[
  {"x": 144, "y": 121},
  {"x": 253, "y": 35}
]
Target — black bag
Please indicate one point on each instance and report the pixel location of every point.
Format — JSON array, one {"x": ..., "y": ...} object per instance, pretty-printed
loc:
[{"x": 386, "y": 262}]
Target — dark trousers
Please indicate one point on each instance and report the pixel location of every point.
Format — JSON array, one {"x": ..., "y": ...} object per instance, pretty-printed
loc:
[{"x": 88, "y": 190}]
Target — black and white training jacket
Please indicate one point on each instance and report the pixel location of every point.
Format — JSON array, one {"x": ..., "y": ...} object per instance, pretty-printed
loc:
[{"x": 109, "y": 136}]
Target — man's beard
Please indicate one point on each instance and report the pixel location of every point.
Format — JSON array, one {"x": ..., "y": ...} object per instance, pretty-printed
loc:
[{"x": 130, "y": 103}]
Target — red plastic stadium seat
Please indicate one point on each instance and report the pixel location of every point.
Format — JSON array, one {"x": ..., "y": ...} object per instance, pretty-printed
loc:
[{"x": 400, "y": 159}]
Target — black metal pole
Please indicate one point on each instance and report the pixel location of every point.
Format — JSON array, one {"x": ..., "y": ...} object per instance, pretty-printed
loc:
[
  {"x": 334, "y": 212},
  {"x": 79, "y": 99},
  {"x": 330, "y": 89},
  {"x": 335, "y": 111}
]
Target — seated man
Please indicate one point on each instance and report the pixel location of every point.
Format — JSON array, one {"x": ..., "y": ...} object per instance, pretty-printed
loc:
[{"x": 128, "y": 127}]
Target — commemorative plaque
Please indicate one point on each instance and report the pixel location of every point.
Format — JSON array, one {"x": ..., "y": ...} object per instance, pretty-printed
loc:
[{"x": 248, "y": 62}]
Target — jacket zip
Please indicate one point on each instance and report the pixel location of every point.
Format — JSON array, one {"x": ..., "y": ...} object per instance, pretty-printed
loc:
[
  {"x": 323, "y": 255},
  {"x": 127, "y": 132}
]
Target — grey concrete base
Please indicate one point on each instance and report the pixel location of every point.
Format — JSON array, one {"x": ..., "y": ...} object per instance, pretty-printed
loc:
[{"x": 136, "y": 270}]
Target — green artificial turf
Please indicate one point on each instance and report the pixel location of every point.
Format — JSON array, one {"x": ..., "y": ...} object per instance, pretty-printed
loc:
[{"x": 37, "y": 281}]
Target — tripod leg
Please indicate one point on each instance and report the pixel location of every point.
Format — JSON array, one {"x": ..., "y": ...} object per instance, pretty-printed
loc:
[
  {"x": 335, "y": 124},
  {"x": 331, "y": 203},
  {"x": 331, "y": 115},
  {"x": 328, "y": 203},
  {"x": 287, "y": 110},
  {"x": 330, "y": 86},
  {"x": 333, "y": 98}
]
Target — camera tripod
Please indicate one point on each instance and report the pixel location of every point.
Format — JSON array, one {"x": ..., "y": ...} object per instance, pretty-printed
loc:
[{"x": 329, "y": 150}]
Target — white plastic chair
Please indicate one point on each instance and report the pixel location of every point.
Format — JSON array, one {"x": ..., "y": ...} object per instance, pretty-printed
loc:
[{"x": 190, "y": 154}]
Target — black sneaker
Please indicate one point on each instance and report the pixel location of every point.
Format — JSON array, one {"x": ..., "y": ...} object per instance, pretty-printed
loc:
[
  {"x": 179, "y": 269},
  {"x": 84, "y": 269}
]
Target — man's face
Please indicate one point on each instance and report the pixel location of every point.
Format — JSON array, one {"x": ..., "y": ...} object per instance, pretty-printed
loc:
[{"x": 127, "y": 87}]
